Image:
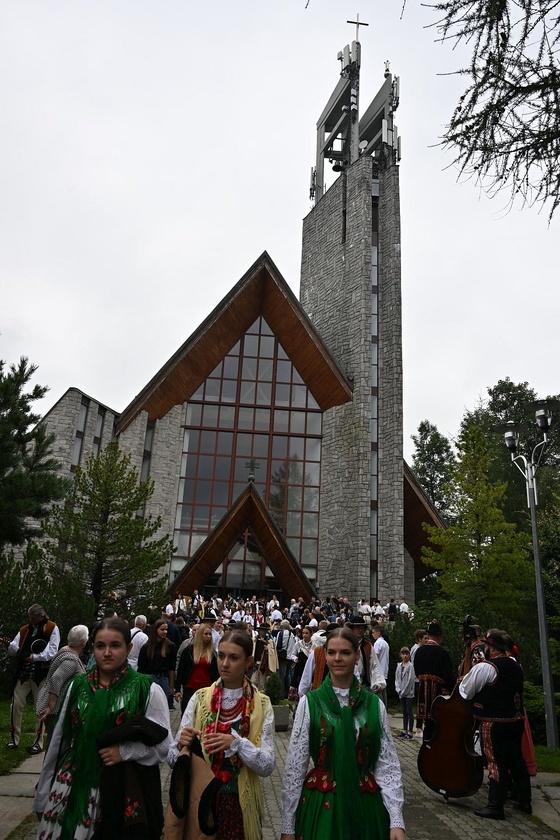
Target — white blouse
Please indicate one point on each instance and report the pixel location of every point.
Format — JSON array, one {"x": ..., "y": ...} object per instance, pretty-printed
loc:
[
  {"x": 260, "y": 759},
  {"x": 387, "y": 770},
  {"x": 157, "y": 711}
]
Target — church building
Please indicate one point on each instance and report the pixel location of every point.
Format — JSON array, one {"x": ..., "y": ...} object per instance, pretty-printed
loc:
[{"x": 274, "y": 435}]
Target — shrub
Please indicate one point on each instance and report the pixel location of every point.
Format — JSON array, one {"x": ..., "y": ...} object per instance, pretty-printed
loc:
[
  {"x": 274, "y": 690},
  {"x": 533, "y": 699}
]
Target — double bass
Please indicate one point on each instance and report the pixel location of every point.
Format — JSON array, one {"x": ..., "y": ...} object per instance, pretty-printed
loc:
[{"x": 447, "y": 762}]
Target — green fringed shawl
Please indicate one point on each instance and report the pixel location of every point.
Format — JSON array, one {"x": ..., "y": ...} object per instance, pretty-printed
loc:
[
  {"x": 92, "y": 710},
  {"x": 333, "y": 747}
]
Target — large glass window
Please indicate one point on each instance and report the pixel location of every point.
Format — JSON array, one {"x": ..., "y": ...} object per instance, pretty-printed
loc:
[{"x": 253, "y": 415}]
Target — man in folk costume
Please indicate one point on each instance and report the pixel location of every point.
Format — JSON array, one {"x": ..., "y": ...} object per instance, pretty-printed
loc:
[
  {"x": 434, "y": 669},
  {"x": 496, "y": 686},
  {"x": 286, "y": 651},
  {"x": 35, "y": 645},
  {"x": 370, "y": 675},
  {"x": 265, "y": 657}
]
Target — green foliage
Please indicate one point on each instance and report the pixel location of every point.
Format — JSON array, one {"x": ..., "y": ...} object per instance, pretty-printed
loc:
[
  {"x": 100, "y": 534},
  {"x": 548, "y": 761},
  {"x": 508, "y": 400},
  {"x": 26, "y": 582},
  {"x": 28, "y": 474},
  {"x": 504, "y": 130},
  {"x": 482, "y": 560},
  {"x": 273, "y": 689},
  {"x": 432, "y": 463},
  {"x": 549, "y": 541},
  {"x": 533, "y": 699},
  {"x": 10, "y": 759}
]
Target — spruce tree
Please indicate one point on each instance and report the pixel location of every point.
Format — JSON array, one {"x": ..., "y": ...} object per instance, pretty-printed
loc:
[
  {"x": 101, "y": 532},
  {"x": 29, "y": 481},
  {"x": 483, "y": 561}
]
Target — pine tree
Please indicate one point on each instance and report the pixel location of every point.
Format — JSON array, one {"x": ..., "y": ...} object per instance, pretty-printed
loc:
[
  {"x": 101, "y": 533},
  {"x": 432, "y": 463},
  {"x": 29, "y": 481},
  {"x": 482, "y": 559}
]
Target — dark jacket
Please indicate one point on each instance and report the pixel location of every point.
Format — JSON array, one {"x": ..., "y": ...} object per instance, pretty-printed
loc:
[{"x": 186, "y": 665}]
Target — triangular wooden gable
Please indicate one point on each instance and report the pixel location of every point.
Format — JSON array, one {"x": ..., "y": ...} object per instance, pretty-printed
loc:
[
  {"x": 261, "y": 291},
  {"x": 248, "y": 511}
]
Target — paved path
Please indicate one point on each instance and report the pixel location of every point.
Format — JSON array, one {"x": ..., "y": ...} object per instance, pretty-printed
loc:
[{"x": 426, "y": 816}]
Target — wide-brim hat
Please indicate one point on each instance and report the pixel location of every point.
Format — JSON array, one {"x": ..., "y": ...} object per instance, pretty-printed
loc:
[
  {"x": 210, "y": 616},
  {"x": 356, "y": 621},
  {"x": 496, "y": 640},
  {"x": 263, "y": 626}
]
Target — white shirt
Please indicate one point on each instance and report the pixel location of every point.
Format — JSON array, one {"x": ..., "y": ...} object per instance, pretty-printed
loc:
[
  {"x": 157, "y": 711},
  {"x": 139, "y": 639},
  {"x": 275, "y": 615},
  {"x": 260, "y": 759},
  {"x": 381, "y": 648},
  {"x": 403, "y": 608},
  {"x": 286, "y": 639},
  {"x": 375, "y": 675},
  {"x": 480, "y": 675},
  {"x": 47, "y": 654},
  {"x": 387, "y": 770}
]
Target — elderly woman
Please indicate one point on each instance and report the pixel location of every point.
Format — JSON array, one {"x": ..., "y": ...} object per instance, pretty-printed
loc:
[{"x": 65, "y": 665}]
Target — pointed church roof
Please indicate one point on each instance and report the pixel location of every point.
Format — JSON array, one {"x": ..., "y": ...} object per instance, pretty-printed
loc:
[
  {"x": 248, "y": 511},
  {"x": 261, "y": 291},
  {"x": 417, "y": 509}
]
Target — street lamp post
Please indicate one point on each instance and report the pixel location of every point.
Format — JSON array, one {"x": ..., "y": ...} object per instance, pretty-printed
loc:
[{"x": 528, "y": 468}]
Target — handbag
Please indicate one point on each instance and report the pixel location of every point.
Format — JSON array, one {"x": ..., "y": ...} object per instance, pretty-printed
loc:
[
  {"x": 193, "y": 793},
  {"x": 282, "y": 652}
]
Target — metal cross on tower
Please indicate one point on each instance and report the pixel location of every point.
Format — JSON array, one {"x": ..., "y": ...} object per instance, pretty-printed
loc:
[
  {"x": 342, "y": 136},
  {"x": 358, "y": 23}
]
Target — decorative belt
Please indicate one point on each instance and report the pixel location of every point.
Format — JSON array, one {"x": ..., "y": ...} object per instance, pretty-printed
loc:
[{"x": 321, "y": 780}]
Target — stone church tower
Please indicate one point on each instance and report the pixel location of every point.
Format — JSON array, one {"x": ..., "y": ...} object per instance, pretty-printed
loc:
[{"x": 351, "y": 290}]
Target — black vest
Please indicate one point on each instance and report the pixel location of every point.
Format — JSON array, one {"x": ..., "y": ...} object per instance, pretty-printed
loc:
[{"x": 503, "y": 699}]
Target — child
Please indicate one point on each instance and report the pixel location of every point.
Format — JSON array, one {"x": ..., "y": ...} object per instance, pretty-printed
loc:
[{"x": 404, "y": 686}]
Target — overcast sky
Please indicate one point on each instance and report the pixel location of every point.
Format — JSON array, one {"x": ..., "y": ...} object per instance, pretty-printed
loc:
[{"x": 150, "y": 151}]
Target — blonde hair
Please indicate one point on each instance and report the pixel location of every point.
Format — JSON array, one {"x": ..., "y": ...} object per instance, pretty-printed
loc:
[{"x": 202, "y": 648}]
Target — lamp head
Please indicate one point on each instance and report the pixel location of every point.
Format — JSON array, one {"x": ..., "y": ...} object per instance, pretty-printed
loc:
[
  {"x": 510, "y": 431},
  {"x": 511, "y": 440},
  {"x": 543, "y": 413}
]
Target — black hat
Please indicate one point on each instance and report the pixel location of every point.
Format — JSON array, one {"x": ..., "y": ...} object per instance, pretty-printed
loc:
[
  {"x": 496, "y": 640},
  {"x": 263, "y": 626},
  {"x": 356, "y": 621},
  {"x": 332, "y": 626},
  {"x": 434, "y": 629}
]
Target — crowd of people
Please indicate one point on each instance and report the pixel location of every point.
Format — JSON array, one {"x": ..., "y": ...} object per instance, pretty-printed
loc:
[{"x": 111, "y": 705}]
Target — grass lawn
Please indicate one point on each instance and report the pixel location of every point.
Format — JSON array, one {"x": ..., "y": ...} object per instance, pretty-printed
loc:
[
  {"x": 548, "y": 761},
  {"x": 12, "y": 758}
]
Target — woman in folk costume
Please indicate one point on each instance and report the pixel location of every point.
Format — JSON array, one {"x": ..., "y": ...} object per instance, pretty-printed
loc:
[
  {"x": 100, "y": 776},
  {"x": 197, "y": 666},
  {"x": 355, "y": 788},
  {"x": 235, "y": 724}
]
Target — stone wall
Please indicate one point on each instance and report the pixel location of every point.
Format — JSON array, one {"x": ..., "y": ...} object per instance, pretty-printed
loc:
[
  {"x": 336, "y": 283},
  {"x": 390, "y": 541},
  {"x": 62, "y": 421},
  {"x": 336, "y": 294}
]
